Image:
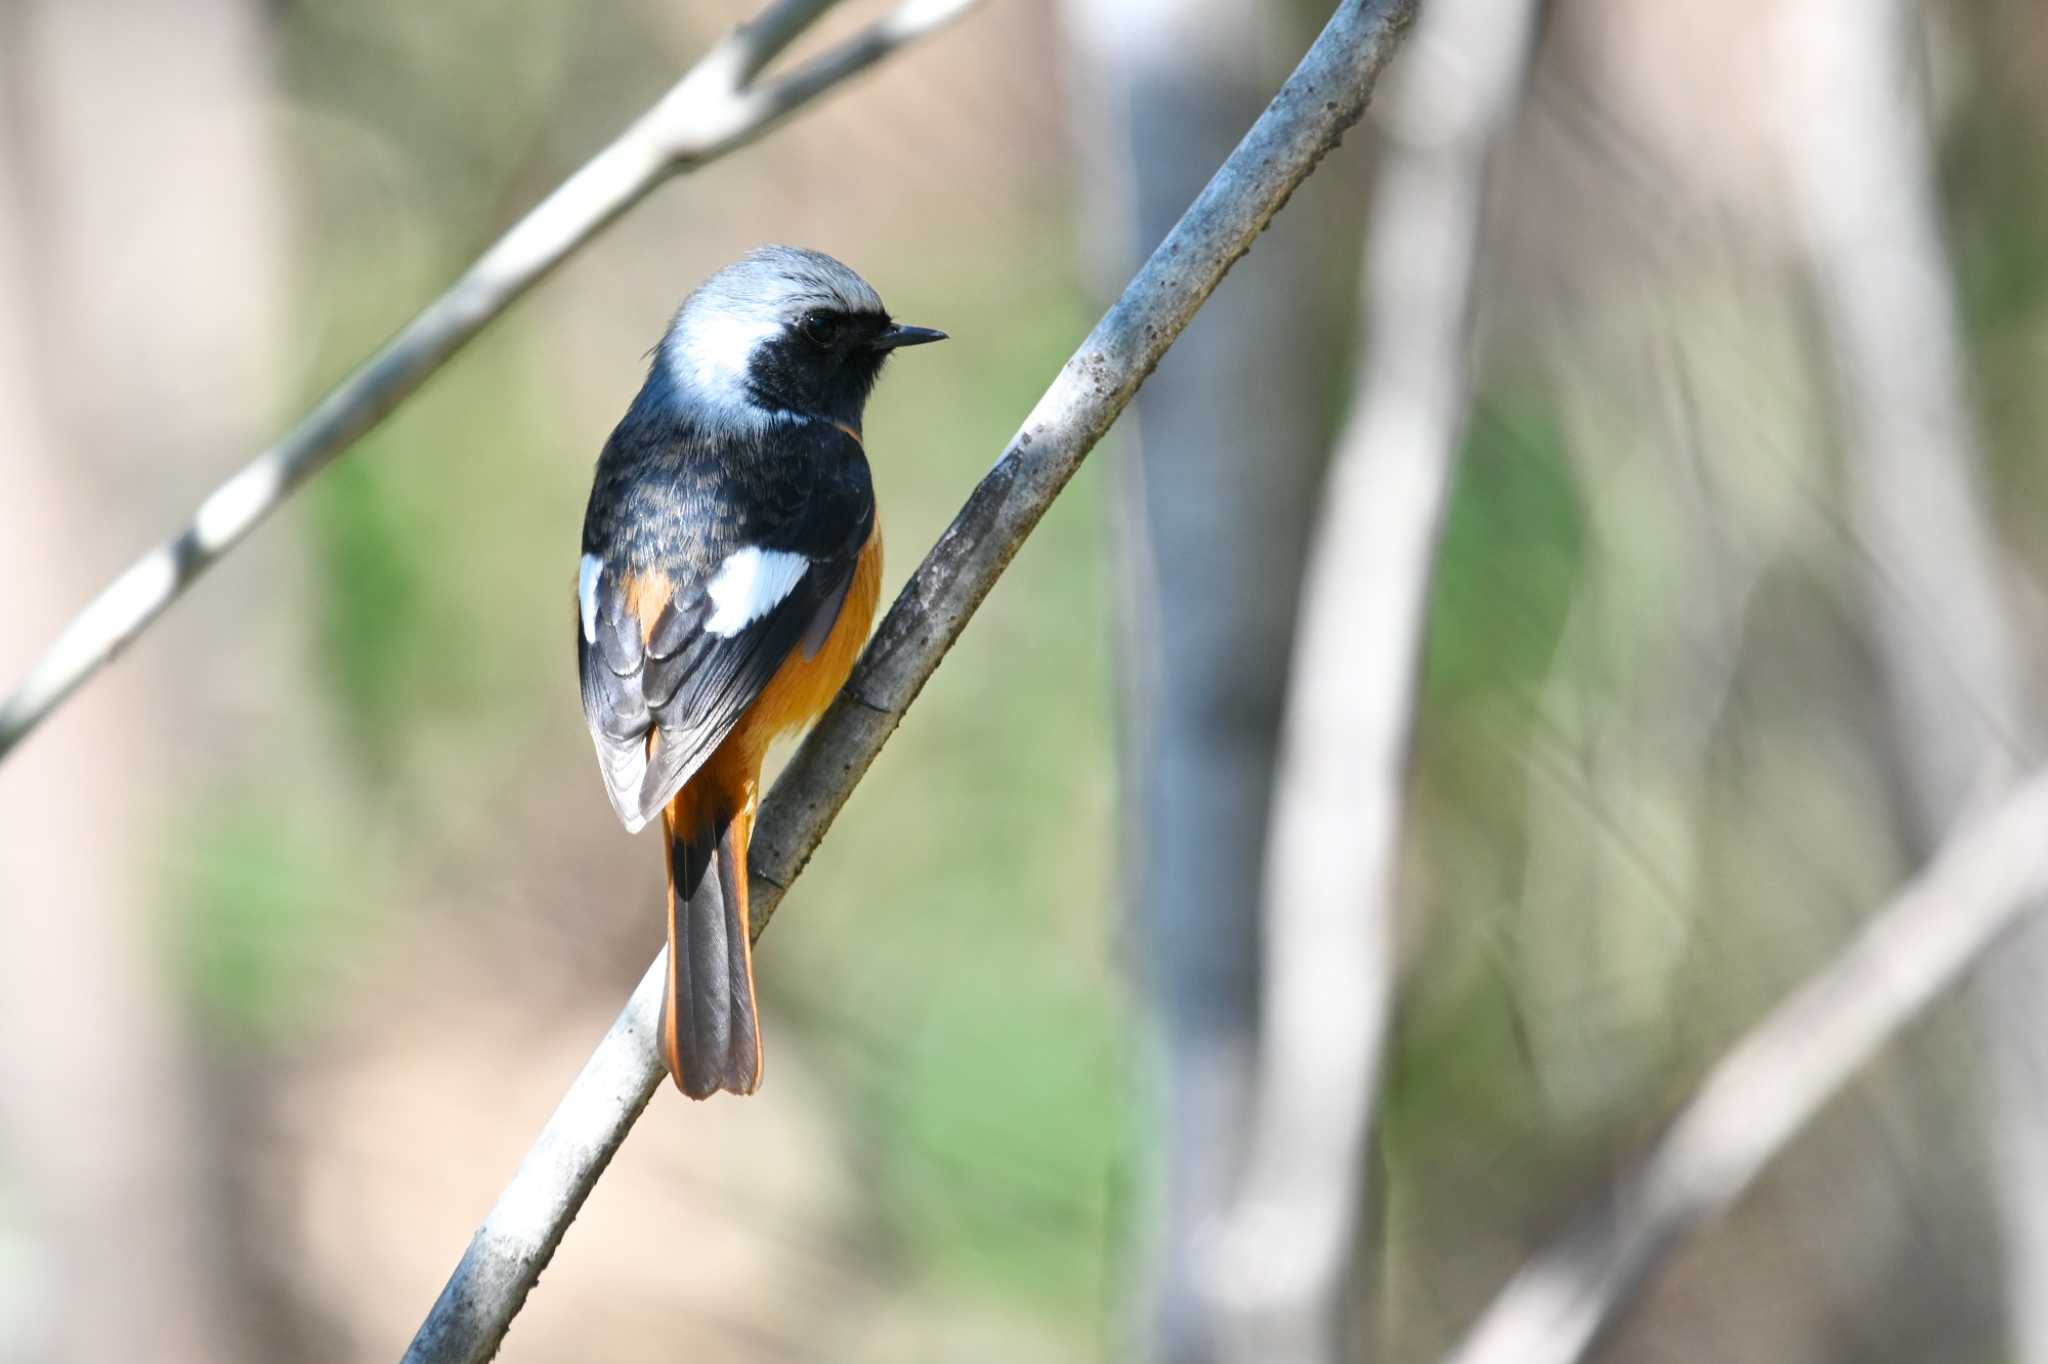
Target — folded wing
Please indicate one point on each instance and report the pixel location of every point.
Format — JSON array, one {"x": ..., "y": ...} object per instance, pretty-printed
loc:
[{"x": 669, "y": 665}]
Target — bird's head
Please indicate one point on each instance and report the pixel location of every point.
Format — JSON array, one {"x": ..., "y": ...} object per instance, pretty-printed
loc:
[{"x": 782, "y": 331}]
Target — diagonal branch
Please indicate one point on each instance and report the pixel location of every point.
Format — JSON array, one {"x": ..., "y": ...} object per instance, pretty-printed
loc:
[
  {"x": 714, "y": 109},
  {"x": 1758, "y": 1097},
  {"x": 1325, "y": 96}
]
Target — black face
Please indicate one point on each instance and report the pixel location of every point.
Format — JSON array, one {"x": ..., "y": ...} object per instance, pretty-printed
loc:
[{"x": 823, "y": 365}]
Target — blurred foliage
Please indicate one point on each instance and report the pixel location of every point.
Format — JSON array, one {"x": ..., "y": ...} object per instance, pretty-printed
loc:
[
  {"x": 407, "y": 636},
  {"x": 949, "y": 960},
  {"x": 264, "y": 908},
  {"x": 1997, "y": 221},
  {"x": 1508, "y": 569},
  {"x": 1508, "y": 566}
]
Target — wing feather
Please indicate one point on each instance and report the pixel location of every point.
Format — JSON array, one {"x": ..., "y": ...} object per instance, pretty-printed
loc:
[
  {"x": 661, "y": 688},
  {"x": 684, "y": 688}
]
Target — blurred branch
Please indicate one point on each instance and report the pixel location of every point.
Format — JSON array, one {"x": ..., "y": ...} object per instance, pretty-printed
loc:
[
  {"x": 1326, "y": 94},
  {"x": 716, "y": 108},
  {"x": 1281, "y": 1266},
  {"x": 1861, "y": 170},
  {"x": 1209, "y": 548},
  {"x": 1771, "y": 1084},
  {"x": 1860, "y": 158}
]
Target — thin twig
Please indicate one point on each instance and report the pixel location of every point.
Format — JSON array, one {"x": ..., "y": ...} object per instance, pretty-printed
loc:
[
  {"x": 1758, "y": 1097},
  {"x": 713, "y": 110},
  {"x": 1281, "y": 1261},
  {"x": 1325, "y": 96}
]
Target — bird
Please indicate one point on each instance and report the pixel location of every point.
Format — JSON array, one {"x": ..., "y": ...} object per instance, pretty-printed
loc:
[{"x": 731, "y": 565}]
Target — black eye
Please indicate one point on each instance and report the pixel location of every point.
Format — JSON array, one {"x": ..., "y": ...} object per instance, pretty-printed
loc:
[{"x": 821, "y": 329}]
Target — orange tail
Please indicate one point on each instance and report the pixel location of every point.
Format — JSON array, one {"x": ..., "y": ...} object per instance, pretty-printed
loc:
[{"x": 710, "y": 1031}]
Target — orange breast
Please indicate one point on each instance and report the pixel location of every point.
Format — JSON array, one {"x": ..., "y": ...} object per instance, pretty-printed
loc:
[{"x": 804, "y": 687}]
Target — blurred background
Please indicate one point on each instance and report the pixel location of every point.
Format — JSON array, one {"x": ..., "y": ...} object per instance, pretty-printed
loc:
[{"x": 311, "y": 907}]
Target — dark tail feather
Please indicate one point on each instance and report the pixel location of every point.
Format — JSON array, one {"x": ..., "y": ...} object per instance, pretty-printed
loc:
[{"x": 710, "y": 1035}]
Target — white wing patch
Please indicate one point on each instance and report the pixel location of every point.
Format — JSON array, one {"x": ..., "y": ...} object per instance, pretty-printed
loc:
[
  {"x": 749, "y": 584},
  {"x": 586, "y": 593}
]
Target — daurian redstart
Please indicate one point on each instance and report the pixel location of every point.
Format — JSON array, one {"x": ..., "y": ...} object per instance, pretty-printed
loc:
[{"x": 732, "y": 558}]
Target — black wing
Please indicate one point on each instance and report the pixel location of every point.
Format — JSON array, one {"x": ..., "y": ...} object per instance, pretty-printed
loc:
[{"x": 661, "y": 697}]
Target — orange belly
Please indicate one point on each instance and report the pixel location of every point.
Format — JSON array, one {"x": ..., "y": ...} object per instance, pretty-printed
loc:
[
  {"x": 804, "y": 686},
  {"x": 798, "y": 694}
]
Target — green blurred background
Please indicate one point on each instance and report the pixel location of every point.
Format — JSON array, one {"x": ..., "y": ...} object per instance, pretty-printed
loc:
[
  {"x": 947, "y": 1038},
  {"x": 375, "y": 862}
]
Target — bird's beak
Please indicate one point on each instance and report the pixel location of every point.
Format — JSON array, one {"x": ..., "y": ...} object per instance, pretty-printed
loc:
[{"x": 900, "y": 335}]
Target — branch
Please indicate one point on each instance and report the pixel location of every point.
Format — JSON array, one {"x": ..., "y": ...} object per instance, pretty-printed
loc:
[
  {"x": 1861, "y": 162},
  {"x": 713, "y": 110},
  {"x": 1771, "y": 1084},
  {"x": 1325, "y": 96},
  {"x": 1281, "y": 1266},
  {"x": 1860, "y": 165},
  {"x": 1208, "y": 547},
  {"x": 1322, "y": 99}
]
